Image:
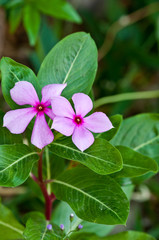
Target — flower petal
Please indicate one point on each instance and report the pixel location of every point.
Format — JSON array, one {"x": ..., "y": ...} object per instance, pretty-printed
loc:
[
  {"x": 42, "y": 134},
  {"x": 50, "y": 113},
  {"x": 82, "y": 138},
  {"x": 83, "y": 104},
  {"x": 24, "y": 93},
  {"x": 98, "y": 122},
  {"x": 61, "y": 107},
  {"x": 50, "y": 91},
  {"x": 63, "y": 125},
  {"x": 17, "y": 120}
]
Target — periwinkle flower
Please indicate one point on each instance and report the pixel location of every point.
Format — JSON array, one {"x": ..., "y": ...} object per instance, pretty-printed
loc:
[
  {"x": 17, "y": 120},
  {"x": 70, "y": 122}
]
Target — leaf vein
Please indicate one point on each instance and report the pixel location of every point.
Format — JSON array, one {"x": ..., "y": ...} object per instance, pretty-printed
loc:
[
  {"x": 73, "y": 62},
  {"x": 88, "y": 195},
  {"x": 29, "y": 154},
  {"x": 11, "y": 227}
]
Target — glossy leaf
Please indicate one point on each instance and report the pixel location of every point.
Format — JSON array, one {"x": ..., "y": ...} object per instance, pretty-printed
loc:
[
  {"x": 31, "y": 20},
  {"x": 13, "y": 72},
  {"x": 101, "y": 157},
  {"x": 10, "y": 228},
  {"x": 94, "y": 198},
  {"x": 135, "y": 164},
  {"x": 16, "y": 162},
  {"x": 73, "y": 61},
  {"x": 61, "y": 215},
  {"x": 36, "y": 228},
  {"x": 116, "y": 121},
  {"x": 59, "y": 9},
  {"x": 130, "y": 235},
  {"x": 141, "y": 133},
  {"x": 6, "y": 137}
]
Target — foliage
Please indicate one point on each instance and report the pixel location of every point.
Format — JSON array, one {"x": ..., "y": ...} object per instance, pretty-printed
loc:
[
  {"x": 31, "y": 12},
  {"x": 95, "y": 183}
]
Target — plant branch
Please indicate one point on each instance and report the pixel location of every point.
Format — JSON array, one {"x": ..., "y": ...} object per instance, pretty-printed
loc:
[
  {"x": 48, "y": 196},
  {"x": 34, "y": 178},
  {"x": 126, "y": 97},
  {"x": 48, "y": 200},
  {"x": 121, "y": 23},
  {"x": 48, "y": 170}
]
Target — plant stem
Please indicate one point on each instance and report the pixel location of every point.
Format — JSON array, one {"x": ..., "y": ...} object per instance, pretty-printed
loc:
[
  {"x": 126, "y": 97},
  {"x": 123, "y": 22},
  {"x": 48, "y": 196},
  {"x": 48, "y": 170},
  {"x": 34, "y": 178}
]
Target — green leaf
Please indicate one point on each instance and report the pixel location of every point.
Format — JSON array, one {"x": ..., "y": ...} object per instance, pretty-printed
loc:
[
  {"x": 16, "y": 162},
  {"x": 59, "y": 9},
  {"x": 101, "y": 157},
  {"x": 62, "y": 215},
  {"x": 11, "y": 4},
  {"x": 36, "y": 228},
  {"x": 128, "y": 190},
  {"x": 130, "y": 235},
  {"x": 141, "y": 133},
  {"x": 73, "y": 61},
  {"x": 31, "y": 20},
  {"x": 15, "y": 16},
  {"x": 135, "y": 164},
  {"x": 116, "y": 121},
  {"x": 6, "y": 137},
  {"x": 10, "y": 228},
  {"x": 13, "y": 72},
  {"x": 93, "y": 197}
]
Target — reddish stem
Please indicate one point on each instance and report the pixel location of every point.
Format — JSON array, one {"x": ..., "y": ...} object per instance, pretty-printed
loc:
[{"x": 49, "y": 199}]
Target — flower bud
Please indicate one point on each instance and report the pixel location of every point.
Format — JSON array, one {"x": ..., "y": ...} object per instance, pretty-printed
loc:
[
  {"x": 49, "y": 227},
  {"x": 80, "y": 226},
  {"x": 71, "y": 217},
  {"x": 62, "y": 227}
]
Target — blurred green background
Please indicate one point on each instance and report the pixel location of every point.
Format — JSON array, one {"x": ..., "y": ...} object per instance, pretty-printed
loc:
[{"x": 126, "y": 33}]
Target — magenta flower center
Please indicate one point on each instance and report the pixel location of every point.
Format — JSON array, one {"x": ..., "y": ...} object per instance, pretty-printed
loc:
[
  {"x": 40, "y": 107},
  {"x": 78, "y": 120}
]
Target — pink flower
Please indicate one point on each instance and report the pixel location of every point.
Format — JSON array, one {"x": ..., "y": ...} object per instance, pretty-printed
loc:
[
  {"x": 17, "y": 120},
  {"x": 76, "y": 124}
]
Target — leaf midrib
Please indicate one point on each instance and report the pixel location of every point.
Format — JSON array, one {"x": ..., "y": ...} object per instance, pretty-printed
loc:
[
  {"x": 84, "y": 153},
  {"x": 89, "y": 196},
  {"x": 14, "y": 75},
  {"x": 27, "y": 155},
  {"x": 133, "y": 166},
  {"x": 11, "y": 227},
  {"x": 44, "y": 232},
  {"x": 72, "y": 64},
  {"x": 146, "y": 143}
]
